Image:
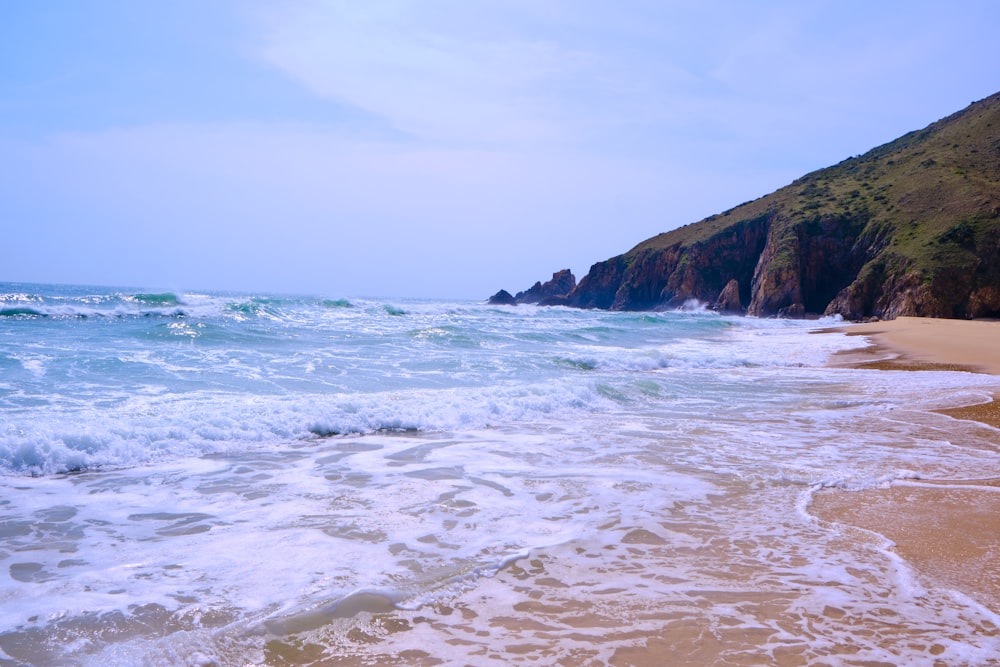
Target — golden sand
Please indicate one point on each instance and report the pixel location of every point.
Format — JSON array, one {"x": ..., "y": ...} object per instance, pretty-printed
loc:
[
  {"x": 985, "y": 413},
  {"x": 948, "y": 530},
  {"x": 950, "y": 534},
  {"x": 921, "y": 343}
]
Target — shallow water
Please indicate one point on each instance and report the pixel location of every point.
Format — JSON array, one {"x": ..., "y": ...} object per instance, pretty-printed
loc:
[{"x": 234, "y": 480}]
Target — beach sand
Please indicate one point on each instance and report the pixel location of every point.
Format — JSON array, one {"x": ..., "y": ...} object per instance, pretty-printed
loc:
[
  {"x": 948, "y": 530},
  {"x": 926, "y": 343}
]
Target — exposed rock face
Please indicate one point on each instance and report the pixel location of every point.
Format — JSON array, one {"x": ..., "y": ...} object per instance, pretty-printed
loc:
[
  {"x": 652, "y": 278},
  {"x": 909, "y": 228},
  {"x": 598, "y": 288},
  {"x": 729, "y": 299},
  {"x": 803, "y": 266}
]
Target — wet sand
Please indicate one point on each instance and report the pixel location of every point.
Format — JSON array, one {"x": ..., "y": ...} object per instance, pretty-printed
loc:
[
  {"x": 948, "y": 530},
  {"x": 948, "y": 533}
]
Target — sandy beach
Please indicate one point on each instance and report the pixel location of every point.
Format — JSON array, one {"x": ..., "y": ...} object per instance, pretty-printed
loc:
[
  {"x": 949, "y": 530},
  {"x": 922, "y": 342}
]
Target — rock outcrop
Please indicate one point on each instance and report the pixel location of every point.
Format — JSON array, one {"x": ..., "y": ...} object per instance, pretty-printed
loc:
[
  {"x": 502, "y": 298},
  {"x": 728, "y": 302},
  {"x": 562, "y": 283},
  {"x": 909, "y": 228},
  {"x": 551, "y": 292}
]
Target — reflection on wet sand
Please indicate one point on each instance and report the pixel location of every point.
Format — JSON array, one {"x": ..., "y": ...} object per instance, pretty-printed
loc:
[
  {"x": 948, "y": 529},
  {"x": 679, "y": 591}
]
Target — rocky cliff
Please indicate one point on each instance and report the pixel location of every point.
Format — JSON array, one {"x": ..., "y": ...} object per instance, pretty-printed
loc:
[{"x": 909, "y": 228}]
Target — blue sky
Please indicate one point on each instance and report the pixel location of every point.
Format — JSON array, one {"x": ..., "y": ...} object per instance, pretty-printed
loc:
[{"x": 440, "y": 148}]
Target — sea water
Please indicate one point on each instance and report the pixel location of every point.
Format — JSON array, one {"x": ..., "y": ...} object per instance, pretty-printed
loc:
[{"x": 234, "y": 479}]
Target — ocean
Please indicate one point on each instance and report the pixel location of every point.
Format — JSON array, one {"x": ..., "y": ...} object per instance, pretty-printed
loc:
[{"x": 201, "y": 478}]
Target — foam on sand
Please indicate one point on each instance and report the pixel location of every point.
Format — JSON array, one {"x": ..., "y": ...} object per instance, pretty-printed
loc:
[{"x": 947, "y": 528}]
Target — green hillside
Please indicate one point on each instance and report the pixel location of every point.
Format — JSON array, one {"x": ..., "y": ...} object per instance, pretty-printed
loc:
[{"x": 911, "y": 227}]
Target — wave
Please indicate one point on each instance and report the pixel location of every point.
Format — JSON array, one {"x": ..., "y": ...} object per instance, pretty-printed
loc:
[
  {"x": 21, "y": 312},
  {"x": 164, "y": 299},
  {"x": 96, "y": 304},
  {"x": 84, "y": 303},
  {"x": 146, "y": 429},
  {"x": 337, "y": 303}
]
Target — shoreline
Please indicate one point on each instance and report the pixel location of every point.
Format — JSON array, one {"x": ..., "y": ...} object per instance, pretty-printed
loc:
[
  {"x": 930, "y": 344},
  {"x": 947, "y": 530},
  {"x": 924, "y": 343}
]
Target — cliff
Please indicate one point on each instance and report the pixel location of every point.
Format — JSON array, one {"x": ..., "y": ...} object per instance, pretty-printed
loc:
[{"x": 909, "y": 228}]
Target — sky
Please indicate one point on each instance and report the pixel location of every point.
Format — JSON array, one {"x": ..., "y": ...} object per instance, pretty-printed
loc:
[{"x": 435, "y": 148}]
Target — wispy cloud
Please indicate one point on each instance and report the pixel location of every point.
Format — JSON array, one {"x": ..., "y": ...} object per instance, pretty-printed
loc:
[
  {"x": 421, "y": 77},
  {"x": 638, "y": 78}
]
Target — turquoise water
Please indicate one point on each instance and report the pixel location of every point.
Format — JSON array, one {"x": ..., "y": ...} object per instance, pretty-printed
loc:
[
  {"x": 97, "y": 378},
  {"x": 233, "y": 479}
]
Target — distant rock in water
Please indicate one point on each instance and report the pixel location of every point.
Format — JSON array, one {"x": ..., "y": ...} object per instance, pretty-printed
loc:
[
  {"x": 909, "y": 228},
  {"x": 502, "y": 298},
  {"x": 546, "y": 294}
]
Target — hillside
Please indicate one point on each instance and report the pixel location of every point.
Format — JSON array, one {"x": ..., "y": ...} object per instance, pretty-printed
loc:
[{"x": 909, "y": 228}]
